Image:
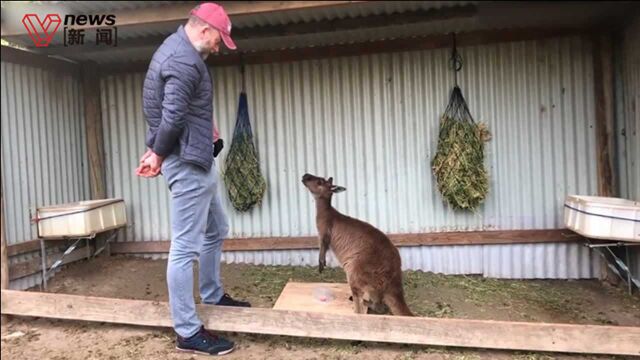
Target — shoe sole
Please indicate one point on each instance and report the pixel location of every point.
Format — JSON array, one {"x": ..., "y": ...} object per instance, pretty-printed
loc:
[{"x": 205, "y": 353}]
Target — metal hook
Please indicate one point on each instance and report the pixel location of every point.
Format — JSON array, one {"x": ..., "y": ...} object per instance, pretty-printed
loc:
[
  {"x": 242, "y": 70},
  {"x": 455, "y": 60}
]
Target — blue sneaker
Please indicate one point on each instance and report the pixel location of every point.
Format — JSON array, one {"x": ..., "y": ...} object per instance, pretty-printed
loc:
[{"x": 205, "y": 343}]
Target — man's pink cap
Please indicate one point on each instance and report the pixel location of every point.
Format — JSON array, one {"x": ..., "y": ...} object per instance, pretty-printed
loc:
[{"x": 214, "y": 15}]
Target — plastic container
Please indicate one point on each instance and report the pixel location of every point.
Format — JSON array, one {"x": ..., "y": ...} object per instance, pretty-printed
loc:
[
  {"x": 603, "y": 218},
  {"x": 81, "y": 219}
]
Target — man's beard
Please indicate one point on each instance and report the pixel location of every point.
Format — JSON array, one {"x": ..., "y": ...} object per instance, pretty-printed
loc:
[{"x": 204, "y": 52}]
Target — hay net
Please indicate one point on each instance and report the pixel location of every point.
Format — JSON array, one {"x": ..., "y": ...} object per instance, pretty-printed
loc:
[
  {"x": 243, "y": 179},
  {"x": 458, "y": 165}
]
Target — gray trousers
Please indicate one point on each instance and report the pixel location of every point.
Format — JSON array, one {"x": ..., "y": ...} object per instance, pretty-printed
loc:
[{"x": 198, "y": 228}]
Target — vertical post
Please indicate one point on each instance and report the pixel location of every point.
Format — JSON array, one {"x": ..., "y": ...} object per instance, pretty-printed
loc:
[
  {"x": 604, "y": 117},
  {"x": 4, "y": 256},
  {"x": 93, "y": 119},
  {"x": 95, "y": 143},
  {"x": 604, "y": 111}
]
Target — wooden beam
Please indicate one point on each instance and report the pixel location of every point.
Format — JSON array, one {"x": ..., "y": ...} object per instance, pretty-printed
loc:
[
  {"x": 180, "y": 12},
  {"x": 34, "y": 265},
  {"x": 586, "y": 339},
  {"x": 29, "y": 246},
  {"x": 604, "y": 111},
  {"x": 93, "y": 119},
  {"x": 311, "y": 242},
  {"x": 361, "y": 22},
  {"x": 485, "y": 237},
  {"x": 315, "y": 27},
  {"x": 22, "y": 57},
  {"x": 429, "y": 42},
  {"x": 23, "y": 248}
]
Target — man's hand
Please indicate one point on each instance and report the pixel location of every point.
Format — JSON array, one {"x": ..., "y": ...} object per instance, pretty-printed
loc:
[{"x": 150, "y": 165}]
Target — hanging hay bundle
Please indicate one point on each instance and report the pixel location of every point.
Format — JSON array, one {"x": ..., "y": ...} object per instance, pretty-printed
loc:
[
  {"x": 459, "y": 161},
  {"x": 244, "y": 182}
]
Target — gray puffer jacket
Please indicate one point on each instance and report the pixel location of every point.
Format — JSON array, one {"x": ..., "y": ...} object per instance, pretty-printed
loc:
[{"x": 177, "y": 101}]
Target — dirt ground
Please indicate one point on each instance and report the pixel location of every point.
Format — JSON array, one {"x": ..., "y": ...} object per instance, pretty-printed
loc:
[{"x": 578, "y": 302}]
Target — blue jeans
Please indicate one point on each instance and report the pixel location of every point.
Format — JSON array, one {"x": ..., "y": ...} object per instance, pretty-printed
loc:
[{"x": 198, "y": 228}]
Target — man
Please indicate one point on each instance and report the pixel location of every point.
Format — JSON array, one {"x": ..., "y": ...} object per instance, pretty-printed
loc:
[{"x": 177, "y": 100}]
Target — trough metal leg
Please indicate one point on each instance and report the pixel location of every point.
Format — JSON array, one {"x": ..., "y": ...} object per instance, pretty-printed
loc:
[
  {"x": 616, "y": 264},
  {"x": 628, "y": 271},
  {"x": 59, "y": 261},
  {"x": 106, "y": 243}
]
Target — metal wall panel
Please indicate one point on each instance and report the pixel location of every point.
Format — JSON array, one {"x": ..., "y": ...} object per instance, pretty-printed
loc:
[
  {"x": 33, "y": 280},
  {"x": 534, "y": 261},
  {"x": 371, "y": 122},
  {"x": 43, "y": 145},
  {"x": 540, "y": 261},
  {"x": 43, "y": 148}
]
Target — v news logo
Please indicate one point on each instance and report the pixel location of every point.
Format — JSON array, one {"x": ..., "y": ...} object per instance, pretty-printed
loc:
[{"x": 41, "y": 32}]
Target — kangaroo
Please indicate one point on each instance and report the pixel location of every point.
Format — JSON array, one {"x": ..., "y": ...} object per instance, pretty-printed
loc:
[{"x": 372, "y": 263}]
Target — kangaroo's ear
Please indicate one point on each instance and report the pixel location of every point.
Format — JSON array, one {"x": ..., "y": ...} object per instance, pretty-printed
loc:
[
  {"x": 337, "y": 189},
  {"x": 330, "y": 181}
]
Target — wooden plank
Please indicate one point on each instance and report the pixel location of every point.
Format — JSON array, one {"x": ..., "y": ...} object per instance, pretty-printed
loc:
[
  {"x": 430, "y": 42},
  {"x": 590, "y": 339},
  {"x": 30, "y": 246},
  {"x": 280, "y": 243},
  {"x": 180, "y": 12},
  {"x": 93, "y": 119},
  {"x": 34, "y": 265},
  {"x": 485, "y": 237},
  {"x": 331, "y": 298},
  {"x": 23, "y": 248},
  {"x": 18, "y": 56},
  {"x": 311, "y": 242},
  {"x": 604, "y": 111},
  {"x": 385, "y": 46},
  {"x": 313, "y": 27},
  {"x": 361, "y": 22}
]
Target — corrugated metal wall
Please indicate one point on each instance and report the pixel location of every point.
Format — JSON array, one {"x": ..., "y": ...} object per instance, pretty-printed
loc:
[
  {"x": 527, "y": 261},
  {"x": 43, "y": 146},
  {"x": 627, "y": 65},
  {"x": 371, "y": 122},
  {"x": 519, "y": 261},
  {"x": 628, "y": 114}
]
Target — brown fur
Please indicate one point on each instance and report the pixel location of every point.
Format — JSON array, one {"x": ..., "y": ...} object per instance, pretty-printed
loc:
[{"x": 372, "y": 263}]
